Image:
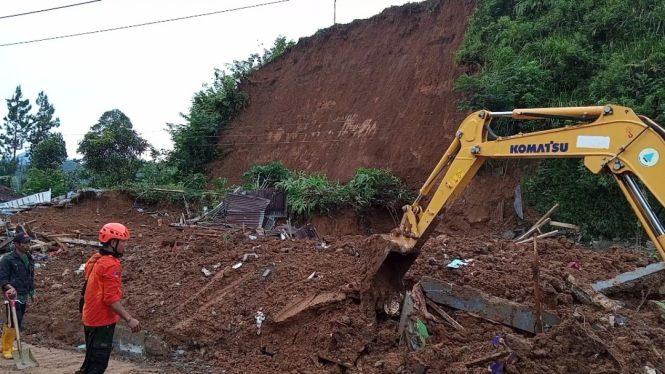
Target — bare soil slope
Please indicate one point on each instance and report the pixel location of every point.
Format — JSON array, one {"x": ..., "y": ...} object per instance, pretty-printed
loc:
[{"x": 373, "y": 93}]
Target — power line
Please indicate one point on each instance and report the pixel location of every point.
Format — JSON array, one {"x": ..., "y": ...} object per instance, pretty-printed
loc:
[
  {"x": 46, "y": 10},
  {"x": 143, "y": 24}
]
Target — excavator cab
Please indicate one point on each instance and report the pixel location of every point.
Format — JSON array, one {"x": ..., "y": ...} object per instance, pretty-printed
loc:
[{"x": 611, "y": 139}]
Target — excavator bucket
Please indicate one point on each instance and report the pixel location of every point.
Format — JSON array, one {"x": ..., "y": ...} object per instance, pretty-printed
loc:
[{"x": 390, "y": 258}]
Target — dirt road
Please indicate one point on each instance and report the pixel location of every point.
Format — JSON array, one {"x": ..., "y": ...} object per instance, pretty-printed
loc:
[{"x": 57, "y": 361}]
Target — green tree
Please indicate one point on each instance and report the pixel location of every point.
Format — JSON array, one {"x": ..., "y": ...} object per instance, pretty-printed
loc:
[
  {"x": 8, "y": 168},
  {"x": 40, "y": 180},
  {"x": 43, "y": 121},
  {"x": 548, "y": 53},
  {"x": 50, "y": 153},
  {"x": 195, "y": 141},
  {"x": 112, "y": 149},
  {"x": 18, "y": 123}
]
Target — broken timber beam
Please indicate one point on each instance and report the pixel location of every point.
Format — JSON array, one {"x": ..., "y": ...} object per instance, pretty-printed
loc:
[
  {"x": 625, "y": 281},
  {"x": 542, "y": 221},
  {"x": 445, "y": 316},
  {"x": 310, "y": 302},
  {"x": 591, "y": 297},
  {"x": 80, "y": 242},
  {"x": 543, "y": 236},
  {"x": 564, "y": 225},
  {"x": 486, "y": 306},
  {"x": 533, "y": 229}
]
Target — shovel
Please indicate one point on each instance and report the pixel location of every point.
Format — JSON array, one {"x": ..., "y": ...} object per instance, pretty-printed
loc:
[{"x": 23, "y": 358}]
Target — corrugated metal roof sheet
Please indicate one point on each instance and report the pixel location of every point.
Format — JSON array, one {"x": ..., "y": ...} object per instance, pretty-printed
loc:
[
  {"x": 244, "y": 210},
  {"x": 277, "y": 206}
]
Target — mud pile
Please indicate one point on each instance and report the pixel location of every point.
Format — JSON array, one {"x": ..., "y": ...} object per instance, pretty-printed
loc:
[{"x": 309, "y": 290}]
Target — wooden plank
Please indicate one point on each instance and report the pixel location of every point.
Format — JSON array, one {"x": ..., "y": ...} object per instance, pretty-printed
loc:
[
  {"x": 564, "y": 225},
  {"x": 80, "y": 242},
  {"x": 536, "y": 280},
  {"x": 445, "y": 316},
  {"x": 167, "y": 190},
  {"x": 544, "y": 236},
  {"x": 60, "y": 244}
]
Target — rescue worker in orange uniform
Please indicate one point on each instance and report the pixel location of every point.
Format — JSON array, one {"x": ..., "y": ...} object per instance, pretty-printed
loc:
[{"x": 102, "y": 308}]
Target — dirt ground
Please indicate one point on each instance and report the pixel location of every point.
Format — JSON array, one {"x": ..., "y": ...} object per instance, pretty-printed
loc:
[
  {"x": 58, "y": 361},
  {"x": 316, "y": 320}
]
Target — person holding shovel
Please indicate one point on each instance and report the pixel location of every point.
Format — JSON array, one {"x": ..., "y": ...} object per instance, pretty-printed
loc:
[
  {"x": 17, "y": 278},
  {"x": 101, "y": 296}
]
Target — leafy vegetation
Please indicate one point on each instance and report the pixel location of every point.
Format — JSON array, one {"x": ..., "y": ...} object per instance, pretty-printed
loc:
[
  {"x": 535, "y": 53},
  {"x": 310, "y": 194},
  {"x": 112, "y": 149},
  {"x": 264, "y": 176},
  {"x": 195, "y": 141},
  {"x": 43, "y": 122},
  {"x": 37, "y": 180},
  {"x": 50, "y": 153},
  {"x": 17, "y": 124}
]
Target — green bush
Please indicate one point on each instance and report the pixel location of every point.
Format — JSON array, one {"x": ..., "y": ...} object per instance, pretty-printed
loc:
[
  {"x": 37, "y": 180},
  {"x": 264, "y": 176},
  {"x": 310, "y": 194},
  {"x": 378, "y": 187},
  {"x": 313, "y": 193}
]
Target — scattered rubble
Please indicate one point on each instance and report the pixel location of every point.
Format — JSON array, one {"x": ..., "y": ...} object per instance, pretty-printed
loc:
[{"x": 325, "y": 325}]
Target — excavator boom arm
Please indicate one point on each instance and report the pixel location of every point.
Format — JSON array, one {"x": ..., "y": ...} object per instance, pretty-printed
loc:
[{"x": 614, "y": 140}]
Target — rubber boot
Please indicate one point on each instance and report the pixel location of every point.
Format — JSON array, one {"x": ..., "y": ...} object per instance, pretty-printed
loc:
[{"x": 8, "y": 337}]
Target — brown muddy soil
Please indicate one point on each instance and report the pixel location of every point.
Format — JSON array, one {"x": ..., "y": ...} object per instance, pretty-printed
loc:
[{"x": 320, "y": 324}]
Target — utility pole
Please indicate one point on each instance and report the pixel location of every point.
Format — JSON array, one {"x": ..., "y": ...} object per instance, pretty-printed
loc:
[{"x": 335, "y": 12}]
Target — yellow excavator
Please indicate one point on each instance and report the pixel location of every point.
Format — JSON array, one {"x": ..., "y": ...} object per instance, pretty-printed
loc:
[{"x": 611, "y": 139}]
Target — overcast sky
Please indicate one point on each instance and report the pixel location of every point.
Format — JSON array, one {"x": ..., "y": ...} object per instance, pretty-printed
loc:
[{"x": 149, "y": 72}]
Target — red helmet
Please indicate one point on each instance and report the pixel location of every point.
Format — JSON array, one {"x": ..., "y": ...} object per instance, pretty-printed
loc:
[{"x": 113, "y": 231}]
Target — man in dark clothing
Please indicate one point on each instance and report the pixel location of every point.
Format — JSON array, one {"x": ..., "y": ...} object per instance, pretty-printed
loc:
[{"x": 17, "y": 277}]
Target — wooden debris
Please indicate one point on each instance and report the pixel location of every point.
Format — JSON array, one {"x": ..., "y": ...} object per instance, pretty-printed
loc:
[
  {"x": 536, "y": 289},
  {"x": 485, "y": 359},
  {"x": 591, "y": 297},
  {"x": 167, "y": 190},
  {"x": 60, "y": 244},
  {"x": 310, "y": 302},
  {"x": 80, "y": 242},
  {"x": 564, "y": 225},
  {"x": 446, "y": 316},
  {"x": 532, "y": 230},
  {"x": 540, "y": 222},
  {"x": 347, "y": 365},
  {"x": 543, "y": 236}
]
